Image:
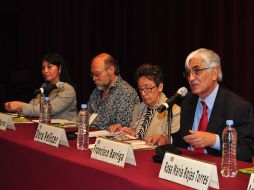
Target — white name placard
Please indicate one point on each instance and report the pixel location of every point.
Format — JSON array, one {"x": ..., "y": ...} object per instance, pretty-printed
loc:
[
  {"x": 6, "y": 122},
  {"x": 51, "y": 135},
  {"x": 251, "y": 183},
  {"x": 189, "y": 172},
  {"x": 113, "y": 152}
]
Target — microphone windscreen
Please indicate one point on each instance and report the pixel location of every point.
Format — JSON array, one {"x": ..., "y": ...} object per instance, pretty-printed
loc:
[
  {"x": 182, "y": 91},
  {"x": 60, "y": 84}
]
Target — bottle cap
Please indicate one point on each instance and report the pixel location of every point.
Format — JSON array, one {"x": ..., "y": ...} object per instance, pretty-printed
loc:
[
  {"x": 83, "y": 106},
  {"x": 229, "y": 122}
]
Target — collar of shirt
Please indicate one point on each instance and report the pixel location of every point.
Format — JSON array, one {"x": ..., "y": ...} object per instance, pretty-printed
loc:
[{"x": 116, "y": 83}]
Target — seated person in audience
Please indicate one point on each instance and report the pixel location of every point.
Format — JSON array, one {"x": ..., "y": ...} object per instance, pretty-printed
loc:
[
  {"x": 63, "y": 99},
  {"x": 146, "y": 122},
  {"x": 216, "y": 104},
  {"x": 113, "y": 99}
]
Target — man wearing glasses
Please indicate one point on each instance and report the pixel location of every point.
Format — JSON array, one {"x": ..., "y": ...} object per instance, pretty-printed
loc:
[
  {"x": 217, "y": 104},
  {"x": 113, "y": 99}
]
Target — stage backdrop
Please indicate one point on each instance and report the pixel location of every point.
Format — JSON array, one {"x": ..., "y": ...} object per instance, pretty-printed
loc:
[{"x": 161, "y": 32}]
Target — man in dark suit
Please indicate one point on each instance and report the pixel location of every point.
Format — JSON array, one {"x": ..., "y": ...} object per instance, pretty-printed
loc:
[{"x": 203, "y": 72}]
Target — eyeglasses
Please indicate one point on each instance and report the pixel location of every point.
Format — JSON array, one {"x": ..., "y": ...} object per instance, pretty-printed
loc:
[
  {"x": 96, "y": 75},
  {"x": 194, "y": 72},
  {"x": 146, "y": 89}
]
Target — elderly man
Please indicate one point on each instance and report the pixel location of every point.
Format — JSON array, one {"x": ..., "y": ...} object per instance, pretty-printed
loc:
[
  {"x": 113, "y": 100},
  {"x": 217, "y": 104}
]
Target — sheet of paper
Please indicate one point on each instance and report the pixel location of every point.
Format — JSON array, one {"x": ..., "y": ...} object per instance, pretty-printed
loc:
[
  {"x": 102, "y": 133},
  {"x": 140, "y": 145},
  {"x": 17, "y": 120},
  {"x": 62, "y": 123},
  {"x": 136, "y": 144}
]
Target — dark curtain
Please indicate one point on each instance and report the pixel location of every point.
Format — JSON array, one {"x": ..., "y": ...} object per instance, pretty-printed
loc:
[{"x": 162, "y": 32}]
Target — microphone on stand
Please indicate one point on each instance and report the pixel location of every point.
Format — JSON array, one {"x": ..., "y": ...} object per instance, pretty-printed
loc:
[
  {"x": 46, "y": 89},
  {"x": 161, "y": 150},
  {"x": 181, "y": 92}
]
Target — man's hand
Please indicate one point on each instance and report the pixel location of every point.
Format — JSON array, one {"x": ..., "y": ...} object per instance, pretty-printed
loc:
[{"x": 200, "y": 139}]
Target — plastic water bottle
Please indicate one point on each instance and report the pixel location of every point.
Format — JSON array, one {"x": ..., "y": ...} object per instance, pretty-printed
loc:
[
  {"x": 83, "y": 128},
  {"x": 46, "y": 111},
  {"x": 41, "y": 108},
  {"x": 229, "y": 143}
]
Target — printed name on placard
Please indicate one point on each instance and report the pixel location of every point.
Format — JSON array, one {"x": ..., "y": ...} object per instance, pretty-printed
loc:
[
  {"x": 251, "y": 182},
  {"x": 113, "y": 152},
  {"x": 51, "y": 135},
  {"x": 189, "y": 172},
  {"x": 6, "y": 122}
]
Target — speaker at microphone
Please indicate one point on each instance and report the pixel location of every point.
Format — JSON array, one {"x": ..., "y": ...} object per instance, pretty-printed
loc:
[{"x": 46, "y": 89}]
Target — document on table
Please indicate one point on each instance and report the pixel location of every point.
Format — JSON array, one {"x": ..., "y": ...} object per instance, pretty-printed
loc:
[
  {"x": 140, "y": 145},
  {"x": 18, "y": 119},
  {"x": 102, "y": 133},
  {"x": 136, "y": 143},
  {"x": 62, "y": 123}
]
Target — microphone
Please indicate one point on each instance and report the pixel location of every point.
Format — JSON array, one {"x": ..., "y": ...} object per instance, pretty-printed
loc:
[
  {"x": 46, "y": 89},
  {"x": 181, "y": 92}
]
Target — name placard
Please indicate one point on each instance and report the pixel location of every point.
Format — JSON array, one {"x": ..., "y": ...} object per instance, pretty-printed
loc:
[
  {"x": 51, "y": 135},
  {"x": 189, "y": 172},
  {"x": 251, "y": 182},
  {"x": 6, "y": 122},
  {"x": 113, "y": 152}
]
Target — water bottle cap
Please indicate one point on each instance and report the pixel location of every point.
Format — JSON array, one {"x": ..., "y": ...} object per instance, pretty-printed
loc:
[
  {"x": 83, "y": 106},
  {"x": 46, "y": 98},
  {"x": 229, "y": 122}
]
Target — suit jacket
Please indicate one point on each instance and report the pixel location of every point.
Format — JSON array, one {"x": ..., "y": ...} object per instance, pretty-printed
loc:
[
  {"x": 227, "y": 105},
  {"x": 159, "y": 123},
  {"x": 63, "y": 104}
]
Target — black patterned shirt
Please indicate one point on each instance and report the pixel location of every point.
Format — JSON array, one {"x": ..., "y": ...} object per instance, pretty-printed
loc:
[{"x": 116, "y": 107}]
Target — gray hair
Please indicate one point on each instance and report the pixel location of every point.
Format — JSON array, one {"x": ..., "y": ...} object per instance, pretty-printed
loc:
[{"x": 208, "y": 57}]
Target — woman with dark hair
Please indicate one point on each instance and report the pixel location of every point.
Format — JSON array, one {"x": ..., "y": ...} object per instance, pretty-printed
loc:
[
  {"x": 63, "y": 98},
  {"x": 146, "y": 122}
]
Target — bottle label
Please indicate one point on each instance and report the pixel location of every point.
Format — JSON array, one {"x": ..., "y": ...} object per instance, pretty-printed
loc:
[{"x": 46, "y": 113}]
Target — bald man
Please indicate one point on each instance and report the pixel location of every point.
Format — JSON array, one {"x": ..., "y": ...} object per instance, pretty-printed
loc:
[{"x": 113, "y": 99}]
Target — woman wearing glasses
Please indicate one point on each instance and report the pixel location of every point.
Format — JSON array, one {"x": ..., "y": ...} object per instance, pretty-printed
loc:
[{"x": 146, "y": 122}]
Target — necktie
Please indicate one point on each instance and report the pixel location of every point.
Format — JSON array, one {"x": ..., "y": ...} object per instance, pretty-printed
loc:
[{"x": 202, "y": 124}]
